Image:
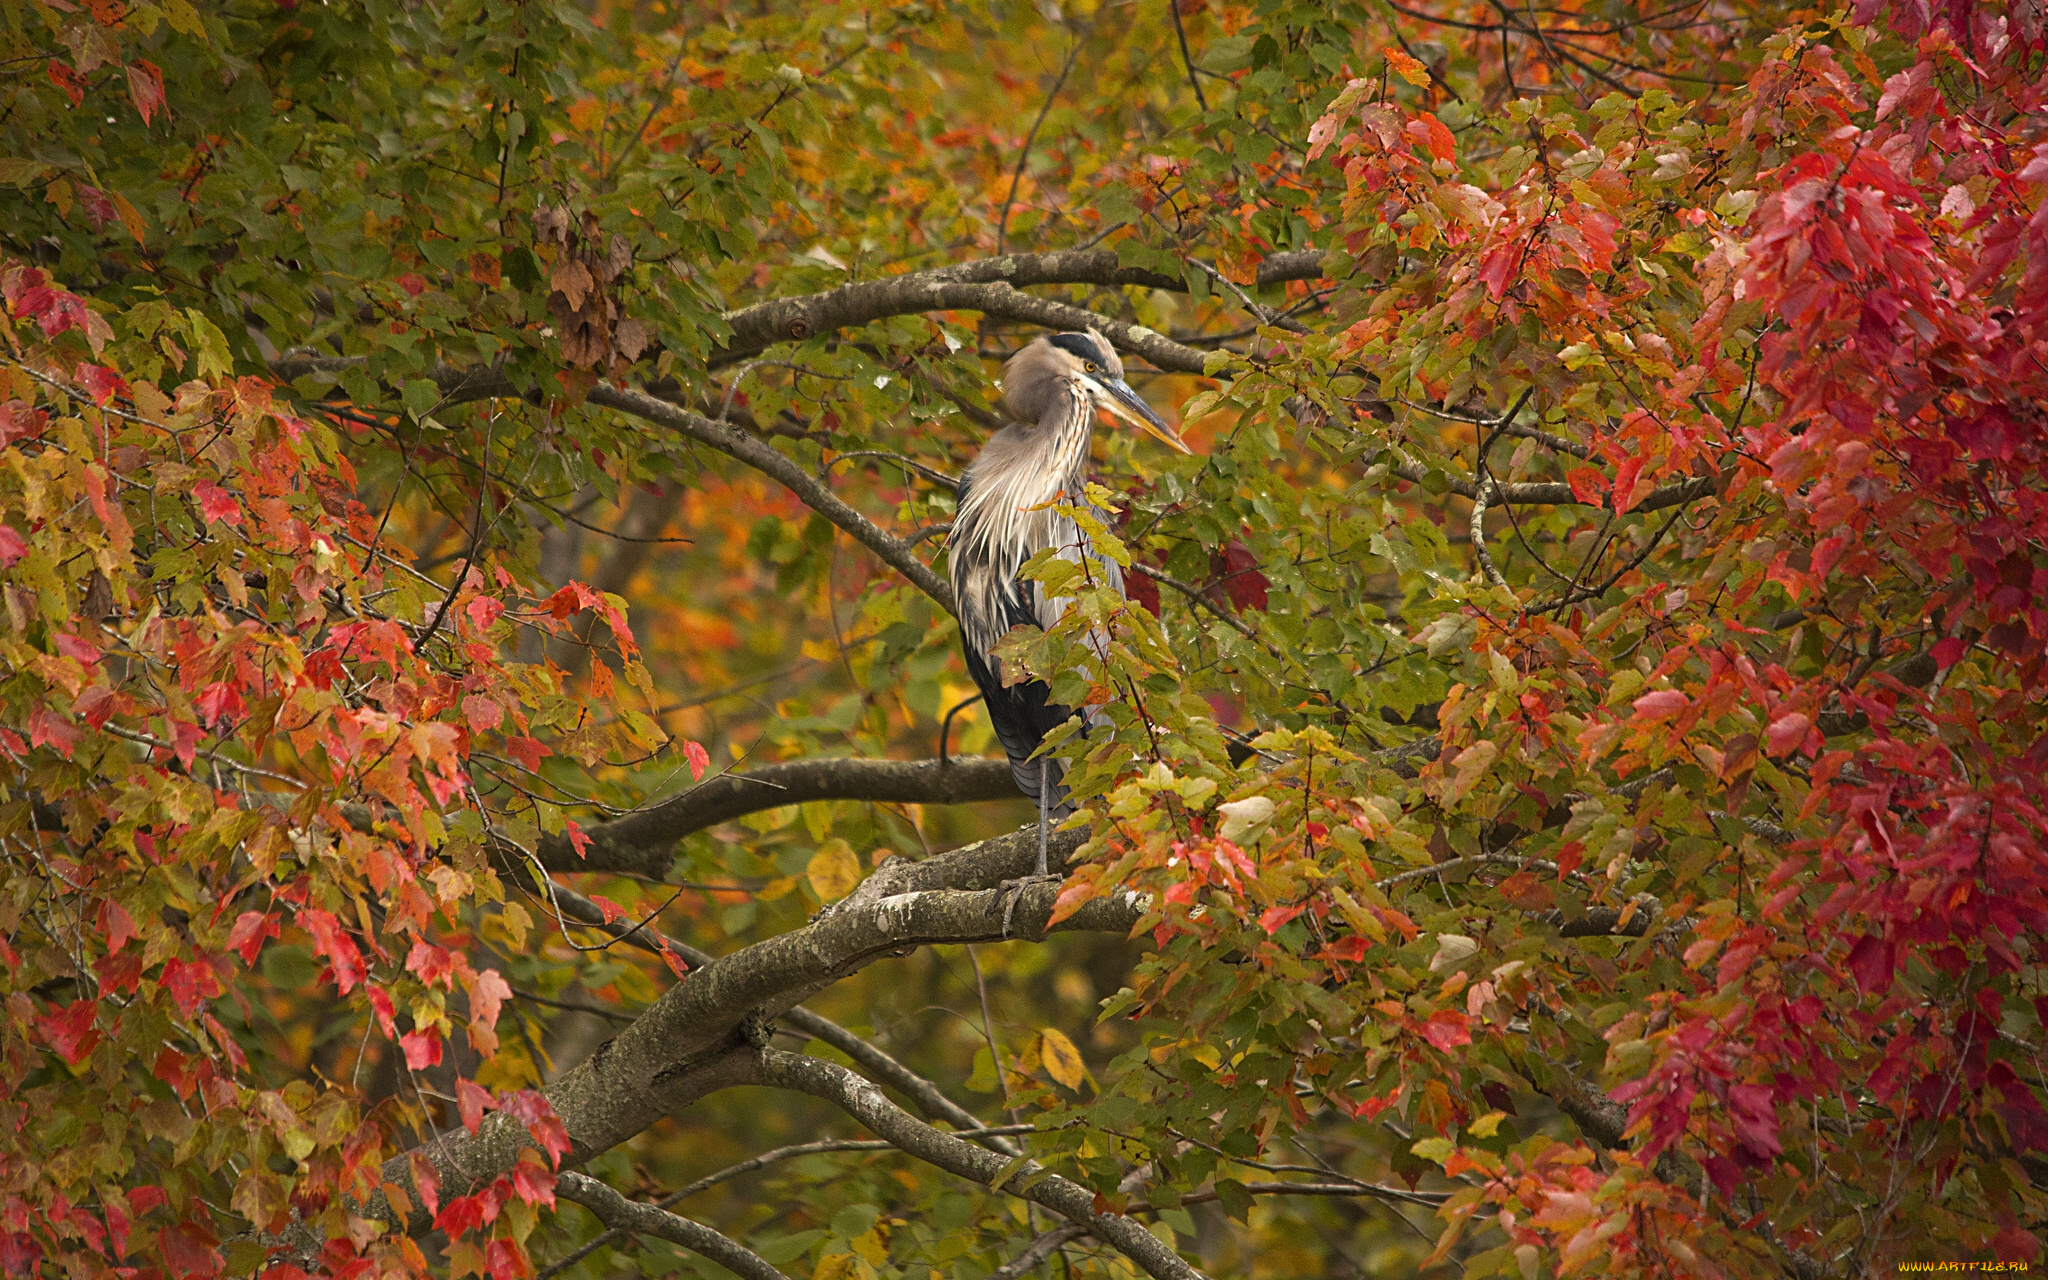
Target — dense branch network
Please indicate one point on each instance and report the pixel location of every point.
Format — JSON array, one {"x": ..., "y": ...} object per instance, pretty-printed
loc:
[{"x": 693, "y": 1041}]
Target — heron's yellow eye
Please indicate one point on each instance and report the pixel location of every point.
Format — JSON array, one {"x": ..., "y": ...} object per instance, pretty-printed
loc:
[{"x": 1089, "y": 365}]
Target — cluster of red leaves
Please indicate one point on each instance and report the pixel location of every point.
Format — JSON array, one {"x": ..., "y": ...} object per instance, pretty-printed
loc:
[
  {"x": 1887, "y": 253},
  {"x": 201, "y": 680},
  {"x": 1896, "y": 259}
]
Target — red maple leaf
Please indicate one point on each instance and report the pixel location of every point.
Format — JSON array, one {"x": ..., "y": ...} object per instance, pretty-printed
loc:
[
  {"x": 72, "y": 1033},
  {"x": 146, "y": 88}
]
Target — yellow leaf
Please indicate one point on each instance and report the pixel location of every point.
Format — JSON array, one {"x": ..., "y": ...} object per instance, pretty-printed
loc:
[
  {"x": 517, "y": 922},
  {"x": 1486, "y": 1125},
  {"x": 778, "y": 888},
  {"x": 834, "y": 870},
  {"x": 834, "y": 1266},
  {"x": 1407, "y": 68},
  {"x": 1062, "y": 1060},
  {"x": 872, "y": 1247}
]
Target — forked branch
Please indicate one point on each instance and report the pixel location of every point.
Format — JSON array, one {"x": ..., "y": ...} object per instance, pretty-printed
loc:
[
  {"x": 885, "y": 1119},
  {"x": 688, "y": 1042}
]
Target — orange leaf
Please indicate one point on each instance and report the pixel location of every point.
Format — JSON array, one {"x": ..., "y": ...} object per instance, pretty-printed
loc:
[
  {"x": 130, "y": 217},
  {"x": 1409, "y": 69}
]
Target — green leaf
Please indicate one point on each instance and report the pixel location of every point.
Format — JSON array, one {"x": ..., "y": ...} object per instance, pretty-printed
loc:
[
  {"x": 854, "y": 1220},
  {"x": 1235, "y": 1197},
  {"x": 421, "y": 395}
]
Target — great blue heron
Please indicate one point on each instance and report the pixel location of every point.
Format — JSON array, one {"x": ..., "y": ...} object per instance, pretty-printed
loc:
[{"x": 1052, "y": 389}]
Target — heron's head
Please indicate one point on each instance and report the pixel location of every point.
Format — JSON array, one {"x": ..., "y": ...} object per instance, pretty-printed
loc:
[{"x": 1064, "y": 362}]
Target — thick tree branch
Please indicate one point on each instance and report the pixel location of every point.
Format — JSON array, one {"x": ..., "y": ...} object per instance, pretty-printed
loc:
[
  {"x": 642, "y": 843},
  {"x": 619, "y": 1213},
  {"x": 1067, "y": 1198},
  {"x": 981, "y": 286},
  {"x": 879, "y": 1065},
  {"x": 684, "y": 1045}
]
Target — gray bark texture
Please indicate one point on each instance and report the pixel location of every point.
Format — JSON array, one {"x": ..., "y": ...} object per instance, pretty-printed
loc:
[
  {"x": 990, "y": 286},
  {"x": 689, "y": 1042}
]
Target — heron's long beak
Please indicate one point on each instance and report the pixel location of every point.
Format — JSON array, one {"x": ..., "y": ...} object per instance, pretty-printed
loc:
[{"x": 1125, "y": 403}]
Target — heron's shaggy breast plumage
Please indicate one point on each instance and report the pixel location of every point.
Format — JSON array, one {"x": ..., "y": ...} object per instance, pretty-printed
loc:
[{"x": 1004, "y": 519}]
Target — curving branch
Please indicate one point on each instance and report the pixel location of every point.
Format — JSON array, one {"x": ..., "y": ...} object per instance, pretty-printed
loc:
[
  {"x": 727, "y": 1174},
  {"x": 988, "y": 285},
  {"x": 884, "y": 1069},
  {"x": 642, "y": 843},
  {"x": 1069, "y": 1199},
  {"x": 460, "y": 385},
  {"x": 764, "y": 457},
  {"x": 620, "y": 1214},
  {"x": 690, "y": 1042},
  {"x": 1477, "y": 528},
  {"x": 879, "y": 1065}
]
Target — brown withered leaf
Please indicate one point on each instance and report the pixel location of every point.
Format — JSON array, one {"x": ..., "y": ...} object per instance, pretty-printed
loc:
[
  {"x": 630, "y": 338},
  {"x": 98, "y": 603},
  {"x": 621, "y": 257},
  {"x": 583, "y": 346},
  {"x": 572, "y": 279},
  {"x": 551, "y": 225},
  {"x": 586, "y": 338}
]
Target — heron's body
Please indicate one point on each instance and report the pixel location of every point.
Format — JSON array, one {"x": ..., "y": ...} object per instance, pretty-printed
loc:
[{"x": 1005, "y": 516}]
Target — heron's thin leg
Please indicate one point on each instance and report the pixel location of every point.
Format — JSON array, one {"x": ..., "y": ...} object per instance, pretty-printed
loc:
[{"x": 1044, "y": 806}]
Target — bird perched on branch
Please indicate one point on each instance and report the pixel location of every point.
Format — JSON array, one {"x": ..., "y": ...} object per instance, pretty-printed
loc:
[{"x": 1052, "y": 389}]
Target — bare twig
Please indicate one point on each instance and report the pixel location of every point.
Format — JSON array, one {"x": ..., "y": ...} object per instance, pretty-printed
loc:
[
  {"x": 1039, "y": 1249},
  {"x": 1187, "y": 60},
  {"x": 1017, "y": 175},
  {"x": 1069, "y": 1199},
  {"x": 619, "y": 1213}
]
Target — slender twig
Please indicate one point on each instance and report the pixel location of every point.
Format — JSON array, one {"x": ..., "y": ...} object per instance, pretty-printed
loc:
[
  {"x": 1187, "y": 59},
  {"x": 570, "y": 1005},
  {"x": 483, "y": 504},
  {"x": 749, "y": 1165},
  {"x": 619, "y": 1213},
  {"x": 1017, "y": 174},
  {"x": 1482, "y": 491},
  {"x": 932, "y": 474},
  {"x": 1038, "y": 1251},
  {"x": 1195, "y": 594}
]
